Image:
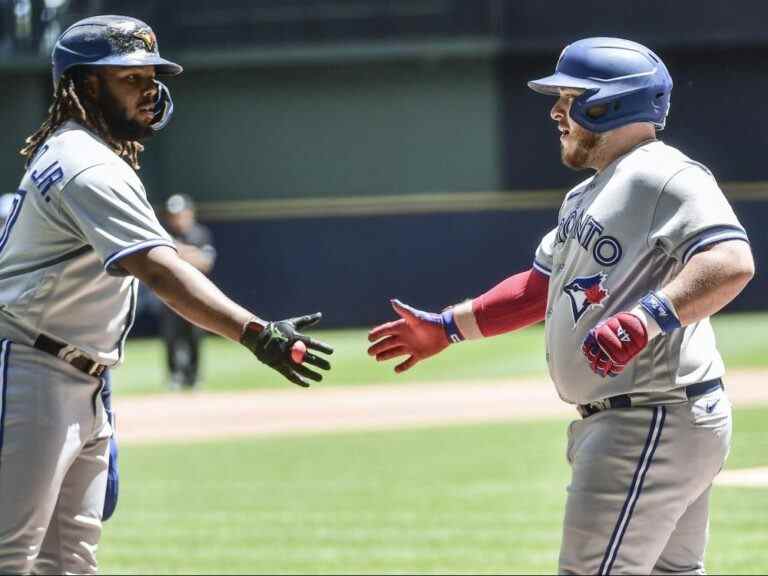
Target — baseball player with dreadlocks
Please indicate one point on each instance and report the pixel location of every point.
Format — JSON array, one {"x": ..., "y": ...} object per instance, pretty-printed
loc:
[
  {"x": 80, "y": 234},
  {"x": 645, "y": 250}
]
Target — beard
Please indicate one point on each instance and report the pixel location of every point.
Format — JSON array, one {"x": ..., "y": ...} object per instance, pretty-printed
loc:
[
  {"x": 121, "y": 126},
  {"x": 582, "y": 149}
]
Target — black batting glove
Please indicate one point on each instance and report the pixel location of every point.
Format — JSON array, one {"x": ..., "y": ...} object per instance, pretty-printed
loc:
[{"x": 272, "y": 344}]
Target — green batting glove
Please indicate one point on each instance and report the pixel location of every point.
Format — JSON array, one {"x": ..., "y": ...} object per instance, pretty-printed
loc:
[{"x": 274, "y": 342}]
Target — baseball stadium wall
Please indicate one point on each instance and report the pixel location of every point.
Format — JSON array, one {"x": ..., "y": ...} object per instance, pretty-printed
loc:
[{"x": 338, "y": 175}]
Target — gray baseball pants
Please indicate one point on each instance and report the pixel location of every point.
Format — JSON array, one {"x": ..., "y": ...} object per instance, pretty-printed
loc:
[
  {"x": 54, "y": 447},
  {"x": 638, "y": 501}
]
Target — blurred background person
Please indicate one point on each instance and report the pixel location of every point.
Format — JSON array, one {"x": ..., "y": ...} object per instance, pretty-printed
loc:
[{"x": 182, "y": 339}]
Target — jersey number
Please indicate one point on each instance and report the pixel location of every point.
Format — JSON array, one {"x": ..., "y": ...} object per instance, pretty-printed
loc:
[{"x": 18, "y": 200}]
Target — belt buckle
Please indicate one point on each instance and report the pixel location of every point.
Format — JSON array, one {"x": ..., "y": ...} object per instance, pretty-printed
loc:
[
  {"x": 96, "y": 369},
  {"x": 69, "y": 354}
]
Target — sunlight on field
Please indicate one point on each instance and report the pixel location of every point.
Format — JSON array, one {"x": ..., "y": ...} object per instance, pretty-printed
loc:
[{"x": 474, "y": 499}]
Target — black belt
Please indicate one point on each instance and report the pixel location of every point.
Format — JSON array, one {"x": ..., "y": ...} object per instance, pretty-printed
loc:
[
  {"x": 625, "y": 401},
  {"x": 71, "y": 356}
]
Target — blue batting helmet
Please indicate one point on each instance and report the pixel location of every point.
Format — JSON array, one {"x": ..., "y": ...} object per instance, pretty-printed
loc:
[
  {"x": 109, "y": 41},
  {"x": 626, "y": 80}
]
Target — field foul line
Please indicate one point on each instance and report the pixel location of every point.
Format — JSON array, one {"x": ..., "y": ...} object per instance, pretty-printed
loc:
[{"x": 744, "y": 478}]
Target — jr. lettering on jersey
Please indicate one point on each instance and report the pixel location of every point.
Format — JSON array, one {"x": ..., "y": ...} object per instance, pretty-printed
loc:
[
  {"x": 46, "y": 178},
  {"x": 588, "y": 232}
]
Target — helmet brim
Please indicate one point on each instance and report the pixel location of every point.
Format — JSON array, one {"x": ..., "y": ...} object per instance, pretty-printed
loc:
[
  {"x": 162, "y": 66},
  {"x": 551, "y": 85}
]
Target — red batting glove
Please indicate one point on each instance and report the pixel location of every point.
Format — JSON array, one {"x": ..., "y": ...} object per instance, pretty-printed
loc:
[
  {"x": 416, "y": 334},
  {"x": 610, "y": 345}
]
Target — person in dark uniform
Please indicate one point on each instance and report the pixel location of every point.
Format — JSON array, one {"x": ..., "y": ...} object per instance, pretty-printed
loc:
[{"x": 194, "y": 244}]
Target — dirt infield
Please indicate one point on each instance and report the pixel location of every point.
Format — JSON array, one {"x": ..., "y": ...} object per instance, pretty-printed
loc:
[{"x": 202, "y": 416}]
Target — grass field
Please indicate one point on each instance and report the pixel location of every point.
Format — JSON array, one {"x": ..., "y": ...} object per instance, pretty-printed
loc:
[
  {"x": 455, "y": 499},
  {"x": 447, "y": 500},
  {"x": 226, "y": 366}
]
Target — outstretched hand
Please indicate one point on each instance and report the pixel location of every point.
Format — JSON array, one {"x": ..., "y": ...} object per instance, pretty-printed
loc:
[
  {"x": 273, "y": 345},
  {"x": 416, "y": 334}
]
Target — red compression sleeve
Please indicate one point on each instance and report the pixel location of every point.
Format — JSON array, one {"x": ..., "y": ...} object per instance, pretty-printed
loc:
[{"x": 518, "y": 301}]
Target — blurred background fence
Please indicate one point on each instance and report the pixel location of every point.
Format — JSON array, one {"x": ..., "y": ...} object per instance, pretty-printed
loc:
[{"x": 344, "y": 152}]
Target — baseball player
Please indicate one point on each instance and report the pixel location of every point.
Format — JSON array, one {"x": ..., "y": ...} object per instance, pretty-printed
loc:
[
  {"x": 644, "y": 251},
  {"x": 79, "y": 237}
]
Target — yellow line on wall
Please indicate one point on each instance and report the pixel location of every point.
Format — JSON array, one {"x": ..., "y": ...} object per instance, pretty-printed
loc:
[{"x": 435, "y": 203}]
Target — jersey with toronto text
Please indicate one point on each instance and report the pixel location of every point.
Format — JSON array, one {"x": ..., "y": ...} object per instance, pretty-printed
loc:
[
  {"x": 629, "y": 229},
  {"x": 78, "y": 211}
]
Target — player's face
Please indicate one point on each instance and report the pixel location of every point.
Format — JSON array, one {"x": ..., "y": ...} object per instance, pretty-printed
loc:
[
  {"x": 126, "y": 97},
  {"x": 578, "y": 146}
]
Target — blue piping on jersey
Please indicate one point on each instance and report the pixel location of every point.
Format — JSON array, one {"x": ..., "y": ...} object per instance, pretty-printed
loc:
[
  {"x": 5, "y": 350},
  {"x": 541, "y": 268},
  {"x": 646, "y": 458},
  {"x": 48, "y": 263},
  {"x": 714, "y": 236},
  {"x": 147, "y": 244},
  {"x": 130, "y": 318},
  {"x": 575, "y": 194}
]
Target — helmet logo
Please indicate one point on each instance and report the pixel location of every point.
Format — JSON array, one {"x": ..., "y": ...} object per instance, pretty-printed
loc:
[
  {"x": 128, "y": 36},
  {"x": 148, "y": 38}
]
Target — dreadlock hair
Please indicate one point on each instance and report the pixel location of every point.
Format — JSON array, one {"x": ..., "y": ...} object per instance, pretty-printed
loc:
[{"x": 68, "y": 105}]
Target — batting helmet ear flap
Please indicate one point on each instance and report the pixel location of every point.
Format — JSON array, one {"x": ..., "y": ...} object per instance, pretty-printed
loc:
[{"x": 163, "y": 107}]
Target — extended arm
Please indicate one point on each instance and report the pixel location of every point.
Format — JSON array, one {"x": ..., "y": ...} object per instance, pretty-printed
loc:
[
  {"x": 198, "y": 257},
  {"x": 518, "y": 301},
  {"x": 185, "y": 289}
]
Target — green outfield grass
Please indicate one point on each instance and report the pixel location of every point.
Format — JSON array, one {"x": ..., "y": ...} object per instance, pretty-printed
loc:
[
  {"x": 227, "y": 366},
  {"x": 474, "y": 499}
]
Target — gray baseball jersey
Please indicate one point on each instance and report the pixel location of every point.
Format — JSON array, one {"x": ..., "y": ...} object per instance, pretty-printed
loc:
[
  {"x": 79, "y": 209},
  {"x": 630, "y": 229},
  {"x": 637, "y": 502}
]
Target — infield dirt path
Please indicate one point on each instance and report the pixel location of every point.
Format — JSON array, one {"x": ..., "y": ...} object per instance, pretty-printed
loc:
[{"x": 202, "y": 416}]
